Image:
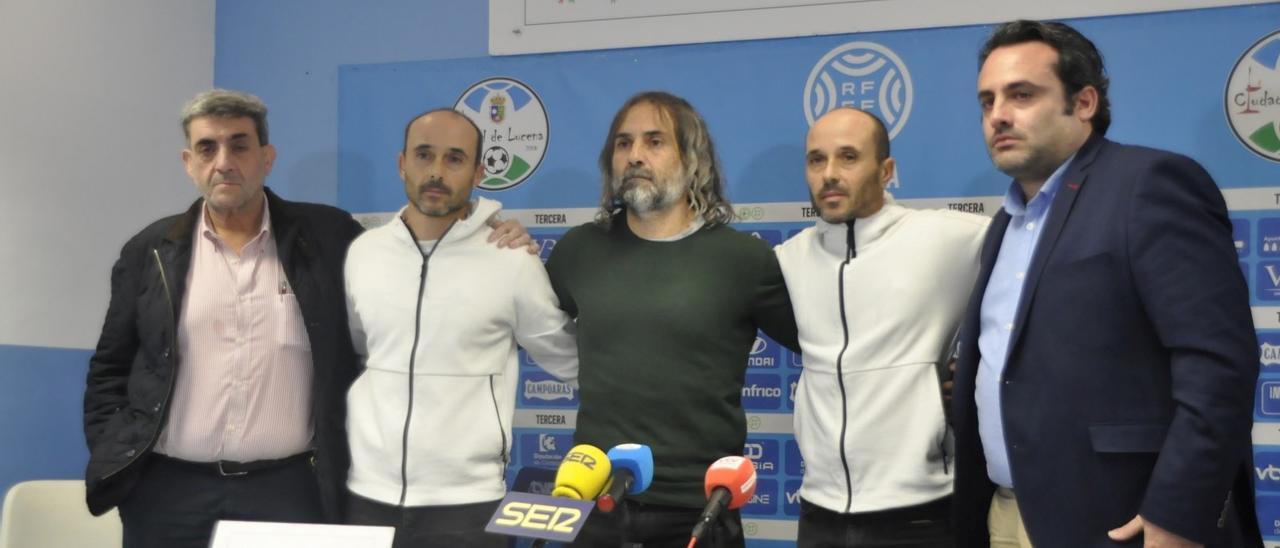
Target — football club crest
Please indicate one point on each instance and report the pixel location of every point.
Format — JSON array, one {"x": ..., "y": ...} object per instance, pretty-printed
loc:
[
  {"x": 1252, "y": 101},
  {"x": 513, "y": 127},
  {"x": 497, "y": 108}
]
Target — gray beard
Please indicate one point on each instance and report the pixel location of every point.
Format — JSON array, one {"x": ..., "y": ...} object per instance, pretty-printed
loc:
[{"x": 643, "y": 199}]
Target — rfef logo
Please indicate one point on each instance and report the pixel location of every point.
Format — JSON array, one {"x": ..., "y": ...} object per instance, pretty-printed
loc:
[
  {"x": 764, "y": 455},
  {"x": 539, "y": 389},
  {"x": 765, "y": 499},
  {"x": 513, "y": 127},
  {"x": 762, "y": 391},
  {"x": 865, "y": 75},
  {"x": 1252, "y": 99}
]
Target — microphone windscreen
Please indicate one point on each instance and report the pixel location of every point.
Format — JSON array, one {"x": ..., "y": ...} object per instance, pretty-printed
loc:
[
  {"x": 636, "y": 458},
  {"x": 737, "y": 475},
  {"x": 582, "y": 474}
]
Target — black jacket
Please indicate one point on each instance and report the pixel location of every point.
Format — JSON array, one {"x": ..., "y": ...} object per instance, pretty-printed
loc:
[{"x": 132, "y": 371}]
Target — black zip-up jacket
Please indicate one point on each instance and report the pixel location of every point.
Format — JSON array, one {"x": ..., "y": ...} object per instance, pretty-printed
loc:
[{"x": 132, "y": 371}]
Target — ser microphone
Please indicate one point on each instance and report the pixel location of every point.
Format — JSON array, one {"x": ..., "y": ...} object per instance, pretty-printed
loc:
[
  {"x": 729, "y": 483},
  {"x": 582, "y": 474},
  {"x": 632, "y": 473}
]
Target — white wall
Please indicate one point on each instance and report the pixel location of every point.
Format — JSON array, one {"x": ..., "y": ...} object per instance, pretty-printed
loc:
[{"x": 89, "y": 148}]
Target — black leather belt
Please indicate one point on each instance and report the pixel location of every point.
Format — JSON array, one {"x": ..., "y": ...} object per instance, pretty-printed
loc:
[{"x": 227, "y": 468}]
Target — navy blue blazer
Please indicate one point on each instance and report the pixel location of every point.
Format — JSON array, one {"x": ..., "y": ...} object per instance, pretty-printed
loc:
[{"x": 1132, "y": 362}]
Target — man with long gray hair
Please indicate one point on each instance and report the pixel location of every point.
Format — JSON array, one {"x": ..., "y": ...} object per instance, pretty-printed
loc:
[{"x": 668, "y": 299}]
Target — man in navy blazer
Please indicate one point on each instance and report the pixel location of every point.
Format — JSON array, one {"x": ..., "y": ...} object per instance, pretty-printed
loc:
[{"x": 1104, "y": 390}]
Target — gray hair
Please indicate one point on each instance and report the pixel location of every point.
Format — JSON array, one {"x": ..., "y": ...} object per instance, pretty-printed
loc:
[
  {"x": 697, "y": 153},
  {"x": 225, "y": 103}
]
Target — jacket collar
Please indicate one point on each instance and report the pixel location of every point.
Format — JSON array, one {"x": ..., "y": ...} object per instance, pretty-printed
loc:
[{"x": 181, "y": 231}]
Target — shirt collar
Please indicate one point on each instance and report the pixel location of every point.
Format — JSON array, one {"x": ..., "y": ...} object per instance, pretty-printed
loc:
[
  {"x": 1015, "y": 204},
  {"x": 206, "y": 224}
]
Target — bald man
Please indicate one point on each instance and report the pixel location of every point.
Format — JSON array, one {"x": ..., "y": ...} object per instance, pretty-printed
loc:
[{"x": 878, "y": 292}]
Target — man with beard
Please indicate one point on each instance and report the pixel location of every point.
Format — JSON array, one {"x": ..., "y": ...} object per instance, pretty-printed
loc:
[
  {"x": 878, "y": 292},
  {"x": 1104, "y": 390},
  {"x": 668, "y": 299},
  {"x": 436, "y": 313}
]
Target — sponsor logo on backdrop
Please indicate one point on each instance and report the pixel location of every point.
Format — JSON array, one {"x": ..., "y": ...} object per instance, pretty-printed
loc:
[
  {"x": 1269, "y": 399},
  {"x": 541, "y": 389},
  {"x": 765, "y": 499},
  {"x": 1269, "y": 237},
  {"x": 1252, "y": 101},
  {"x": 1266, "y": 470},
  {"x": 764, "y": 455},
  {"x": 513, "y": 129},
  {"x": 1267, "y": 281},
  {"x": 865, "y": 75},
  {"x": 1269, "y": 349},
  {"x": 544, "y": 450},
  {"x": 791, "y": 489},
  {"x": 546, "y": 243},
  {"x": 764, "y": 353},
  {"x": 1240, "y": 236},
  {"x": 762, "y": 391}
]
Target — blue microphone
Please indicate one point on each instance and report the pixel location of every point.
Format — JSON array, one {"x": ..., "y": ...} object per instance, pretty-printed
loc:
[{"x": 632, "y": 474}]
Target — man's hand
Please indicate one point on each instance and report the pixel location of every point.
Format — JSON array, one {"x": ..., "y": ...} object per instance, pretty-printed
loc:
[
  {"x": 510, "y": 233},
  {"x": 1153, "y": 536}
]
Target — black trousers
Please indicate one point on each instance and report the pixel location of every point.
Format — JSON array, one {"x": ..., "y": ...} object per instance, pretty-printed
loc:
[
  {"x": 924, "y": 526},
  {"x": 459, "y": 525},
  {"x": 634, "y": 524},
  {"x": 176, "y": 504}
]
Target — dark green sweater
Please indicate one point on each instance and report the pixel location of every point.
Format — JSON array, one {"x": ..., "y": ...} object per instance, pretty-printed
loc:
[{"x": 664, "y": 329}]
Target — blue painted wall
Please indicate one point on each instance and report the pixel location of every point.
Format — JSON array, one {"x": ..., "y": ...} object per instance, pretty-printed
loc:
[
  {"x": 288, "y": 52},
  {"x": 40, "y": 413}
]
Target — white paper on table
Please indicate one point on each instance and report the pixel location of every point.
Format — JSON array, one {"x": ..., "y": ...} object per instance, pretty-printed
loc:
[{"x": 264, "y": 534}]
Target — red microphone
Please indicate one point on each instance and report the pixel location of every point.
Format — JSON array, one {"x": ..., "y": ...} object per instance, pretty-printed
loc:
[{"x": 730, "y": 482}]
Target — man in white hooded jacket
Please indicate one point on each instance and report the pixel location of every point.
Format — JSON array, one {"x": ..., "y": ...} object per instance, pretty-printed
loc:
[
  {"x": 436, "y": 313},
  {"x": 878, "y": 291}
]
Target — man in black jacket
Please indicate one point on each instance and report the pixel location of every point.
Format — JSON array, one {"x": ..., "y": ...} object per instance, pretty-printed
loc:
[{"x": 218, "y": 384}]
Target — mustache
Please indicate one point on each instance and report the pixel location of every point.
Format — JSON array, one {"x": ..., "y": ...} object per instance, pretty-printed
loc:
[
  {"x": 434, "y": 184},
  {"x": 637, "y": 171},
  {"x": 830, "y": 185}
]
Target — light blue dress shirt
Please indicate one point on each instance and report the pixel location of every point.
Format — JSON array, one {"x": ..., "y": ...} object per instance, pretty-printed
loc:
[{"x": 999, "y": 305}]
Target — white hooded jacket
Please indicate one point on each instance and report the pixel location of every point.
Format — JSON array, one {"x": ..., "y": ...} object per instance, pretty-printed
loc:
[
  {"x": 872, "y": 331},
  {"x": 438, "y": 338}
]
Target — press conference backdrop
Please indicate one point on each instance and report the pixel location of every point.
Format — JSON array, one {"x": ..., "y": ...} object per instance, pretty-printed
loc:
[{"x": 1203, "y": 82}]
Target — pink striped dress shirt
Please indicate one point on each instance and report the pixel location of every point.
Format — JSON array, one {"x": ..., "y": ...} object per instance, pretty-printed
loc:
[{"x": 243, "y": 391}]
